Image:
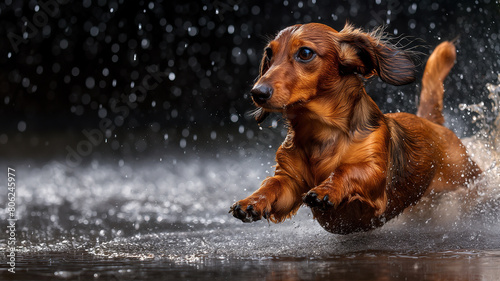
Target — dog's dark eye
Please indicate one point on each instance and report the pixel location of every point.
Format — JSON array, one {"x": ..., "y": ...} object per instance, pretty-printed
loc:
[
  {"x": 269, "y": 53},
  {"x": 305, "y": 54}
]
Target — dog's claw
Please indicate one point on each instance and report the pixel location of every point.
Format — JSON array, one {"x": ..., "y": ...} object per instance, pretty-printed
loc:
[
  {"x": 254, "y": 215},
  {"x": 266, "y": 214},
  {"x": 238, "y": 212},
  {"x": 311, "y": 199},
  {"x": 249, "y": 215}
]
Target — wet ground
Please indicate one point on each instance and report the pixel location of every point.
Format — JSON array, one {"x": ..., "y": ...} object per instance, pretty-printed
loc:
[{"x": 166, "y": 218}]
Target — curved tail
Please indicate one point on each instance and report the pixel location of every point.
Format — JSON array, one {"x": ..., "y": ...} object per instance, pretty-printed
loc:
[{"x": 437, "y": 68}]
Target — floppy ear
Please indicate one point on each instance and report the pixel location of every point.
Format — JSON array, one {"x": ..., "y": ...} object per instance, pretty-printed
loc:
[{"x": 368, "y": 55}]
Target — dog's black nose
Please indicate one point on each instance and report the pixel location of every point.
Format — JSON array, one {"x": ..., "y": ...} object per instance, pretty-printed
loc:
[{"x": 261, "y": 93}]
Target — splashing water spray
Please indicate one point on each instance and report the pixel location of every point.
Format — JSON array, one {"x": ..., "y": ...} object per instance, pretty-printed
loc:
[
  {"x": 484, "y": 147},
  {"x": 487, "y": 119},
  {"x": 477, "y": 208}
]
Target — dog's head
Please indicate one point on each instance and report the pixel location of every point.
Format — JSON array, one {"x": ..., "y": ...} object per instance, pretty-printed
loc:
[{"x": 303, "y": 61}]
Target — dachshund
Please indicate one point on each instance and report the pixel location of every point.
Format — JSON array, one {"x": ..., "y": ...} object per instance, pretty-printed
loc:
[{"x": 355, "y": 167}]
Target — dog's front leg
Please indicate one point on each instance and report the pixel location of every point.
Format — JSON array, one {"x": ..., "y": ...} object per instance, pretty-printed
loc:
[
  {"x": 364, "y": 182},
  {"x": 276, "y": 200}
]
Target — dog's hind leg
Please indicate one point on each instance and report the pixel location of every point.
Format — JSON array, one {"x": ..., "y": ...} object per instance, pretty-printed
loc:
[{"x": 437, "y": 68}]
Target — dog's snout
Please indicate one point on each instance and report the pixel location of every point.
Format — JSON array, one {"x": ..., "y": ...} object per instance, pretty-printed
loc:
[{"x": 261, "y": 93}]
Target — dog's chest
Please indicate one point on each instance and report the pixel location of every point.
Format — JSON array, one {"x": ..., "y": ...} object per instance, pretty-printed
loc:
[{"x": 322, "y": 165}]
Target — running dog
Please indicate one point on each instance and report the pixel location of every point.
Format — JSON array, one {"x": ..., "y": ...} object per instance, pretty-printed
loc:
[{"x": 355, "y": 167}]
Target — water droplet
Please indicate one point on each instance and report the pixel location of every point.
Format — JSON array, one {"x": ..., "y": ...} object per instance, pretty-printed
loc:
[
  {"x": 94, "y": 31},
  {"x": 183, "y": 143},
  {"x": 192, "y": 31},
  {"x": 234, "y": 118},
  {"x": 102, "y": 113},
  {"x": 90, "y": 82},
  {"x": 21, "y": 126}
]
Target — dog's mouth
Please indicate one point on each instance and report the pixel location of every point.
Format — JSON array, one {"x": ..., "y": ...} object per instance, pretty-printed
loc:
[
  {"x": 259, "y": 114},
  {"x": 262, "y": 111}
]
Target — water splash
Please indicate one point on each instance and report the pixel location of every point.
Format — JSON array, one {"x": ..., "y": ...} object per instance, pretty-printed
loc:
[
  {"x": 477, "y": 208},
  {"x": 487, "y": 119},
  {"x": 484, "y": 147}
]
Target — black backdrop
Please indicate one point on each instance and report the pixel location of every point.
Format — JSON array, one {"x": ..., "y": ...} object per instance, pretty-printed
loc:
[{"x": 178, "y": 73}]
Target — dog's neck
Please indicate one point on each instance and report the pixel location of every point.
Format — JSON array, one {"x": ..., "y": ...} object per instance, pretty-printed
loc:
[{"x": 341, "y": 114}]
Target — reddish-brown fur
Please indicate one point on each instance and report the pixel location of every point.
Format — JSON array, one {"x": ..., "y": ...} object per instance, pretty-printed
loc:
[{"x": 354, "y": 166}]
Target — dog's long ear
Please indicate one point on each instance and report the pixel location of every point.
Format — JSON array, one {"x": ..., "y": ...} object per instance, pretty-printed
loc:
[{"x": 368, "y": 55}]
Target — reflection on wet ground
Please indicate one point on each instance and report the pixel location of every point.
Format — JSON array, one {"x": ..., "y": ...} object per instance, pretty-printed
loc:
[{"x": 369, "y": 265}]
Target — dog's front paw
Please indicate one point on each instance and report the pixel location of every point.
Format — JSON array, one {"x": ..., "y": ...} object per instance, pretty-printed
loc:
[
  {"x": 249, "y": 210},
  {"x": 322, "y": 197},
  {"x": 312, "y": 200}
]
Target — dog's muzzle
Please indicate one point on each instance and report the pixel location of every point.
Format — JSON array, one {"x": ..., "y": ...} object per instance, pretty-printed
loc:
[{"x": 261, "y": 93}]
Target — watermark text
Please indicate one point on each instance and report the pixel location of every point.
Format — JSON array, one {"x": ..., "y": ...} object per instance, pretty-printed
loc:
[{"x": 11, "y": 219}]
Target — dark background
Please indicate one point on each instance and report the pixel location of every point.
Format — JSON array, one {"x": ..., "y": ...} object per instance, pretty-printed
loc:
[{"x": 160, "y": 74}]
